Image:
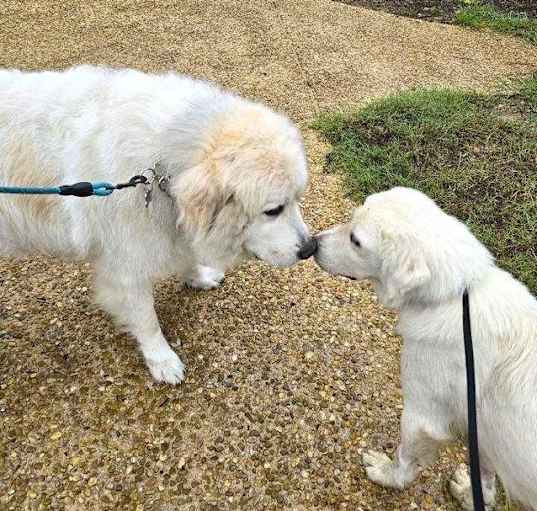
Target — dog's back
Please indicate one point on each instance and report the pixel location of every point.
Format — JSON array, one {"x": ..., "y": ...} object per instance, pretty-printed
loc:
[
  {"x": 27, "y": 161},
  {"x": 82, "y": 124}
]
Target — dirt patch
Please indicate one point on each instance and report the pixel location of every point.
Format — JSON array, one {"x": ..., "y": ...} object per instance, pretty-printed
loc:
[
  {"x": 439, "y": 10},
  {"x": 289, "y": 372}
]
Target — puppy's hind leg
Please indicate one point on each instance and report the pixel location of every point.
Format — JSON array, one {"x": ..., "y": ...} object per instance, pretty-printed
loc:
[
  {"x": 129, "y": 299},
  {"x": 420, "y": 442},
  {"x": 460, "y": 486}
]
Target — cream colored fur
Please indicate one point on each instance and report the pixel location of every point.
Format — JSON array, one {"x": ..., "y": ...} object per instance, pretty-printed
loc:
[
  {"x": 230, "y": 161},
  {"x": 420, "y": 261}
]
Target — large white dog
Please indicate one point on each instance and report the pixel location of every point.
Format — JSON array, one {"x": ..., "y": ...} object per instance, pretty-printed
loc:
[
  {"x": 232, "y": 172},
  {"x": 420, "y": 261}
]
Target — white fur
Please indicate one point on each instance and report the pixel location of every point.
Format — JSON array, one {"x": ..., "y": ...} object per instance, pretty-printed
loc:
[
  {"x": 420, "y": 261},
  {"x": 229, "y": 160},
  {"x": 205, "y": 277}
]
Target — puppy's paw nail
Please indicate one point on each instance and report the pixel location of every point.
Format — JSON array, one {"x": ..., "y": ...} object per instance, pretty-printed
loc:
[
  {"x": 374, "y": 459},
  {"x": 167, "y": 369}
]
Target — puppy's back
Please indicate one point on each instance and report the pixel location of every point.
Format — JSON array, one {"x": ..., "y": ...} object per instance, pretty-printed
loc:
[{"x": 509, "y": 405}]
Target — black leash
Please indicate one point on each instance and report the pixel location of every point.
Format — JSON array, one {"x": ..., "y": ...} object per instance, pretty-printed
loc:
[{"x": 475, "y": 471}]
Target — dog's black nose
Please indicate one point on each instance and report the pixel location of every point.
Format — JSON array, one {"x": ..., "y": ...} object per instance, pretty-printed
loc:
[{"x": 308, "y": 249}]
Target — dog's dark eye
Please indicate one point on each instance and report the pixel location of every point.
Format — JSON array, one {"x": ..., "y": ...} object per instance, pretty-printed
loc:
[
  {"x": 275, "y": 211},
  {"x": 355, "y": 240}
]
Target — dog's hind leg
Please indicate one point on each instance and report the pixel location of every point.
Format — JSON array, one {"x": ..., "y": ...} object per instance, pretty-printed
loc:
[
  {"x": 460, "y": 486},
  {"x": 129, "y": 299},
  {"x": 420, "y": 443}
]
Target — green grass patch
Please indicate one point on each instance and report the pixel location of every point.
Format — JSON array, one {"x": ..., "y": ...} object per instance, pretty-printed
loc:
[
  {"x": 475, "y": 154},
  {"x": 477, "y": 15},
  {"x": 526, "y": 89}
]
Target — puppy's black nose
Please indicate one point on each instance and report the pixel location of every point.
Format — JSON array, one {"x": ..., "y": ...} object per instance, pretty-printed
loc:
[{"x": 308, "y": 249}]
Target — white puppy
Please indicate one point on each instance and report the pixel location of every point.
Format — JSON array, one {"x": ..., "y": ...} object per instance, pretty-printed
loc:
[
  {"x": 420, "y": 261},
  {"x": 236, "y": 172}
]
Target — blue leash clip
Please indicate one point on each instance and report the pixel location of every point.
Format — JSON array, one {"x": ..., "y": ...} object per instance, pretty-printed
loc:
[
  {"x": 102, "y": 189},
  {"x": 85, "y": 189}
]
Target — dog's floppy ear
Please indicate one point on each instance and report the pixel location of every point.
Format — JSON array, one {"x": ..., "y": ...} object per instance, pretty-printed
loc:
[
  {"x": 404, "y": 269},
  {"x": 199, "y": 197}
]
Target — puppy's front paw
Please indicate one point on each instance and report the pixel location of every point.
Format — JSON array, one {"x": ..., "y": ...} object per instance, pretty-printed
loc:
[
  {"x": 380, "y": 469},
  {"x": 205, "y": 278},
  {"x": 165, "y": 366}
]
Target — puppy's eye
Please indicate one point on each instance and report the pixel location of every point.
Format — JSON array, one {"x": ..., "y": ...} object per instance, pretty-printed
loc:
[
  {"x": 275, "y": 211},
  {"x": 355, "y": 240}
]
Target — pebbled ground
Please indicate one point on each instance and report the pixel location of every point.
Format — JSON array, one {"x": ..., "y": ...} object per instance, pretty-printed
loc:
[{"x": 290, "y": 373}]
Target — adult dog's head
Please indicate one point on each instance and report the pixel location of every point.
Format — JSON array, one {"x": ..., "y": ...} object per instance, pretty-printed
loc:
[
  {"x": 241, "y": 174},
  {"x": 412, "y": 251}
]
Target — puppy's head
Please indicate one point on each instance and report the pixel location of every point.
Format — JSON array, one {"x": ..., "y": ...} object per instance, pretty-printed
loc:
[
  {"x": 409, "y": 248},
  {"x": 241, "y": 196}
]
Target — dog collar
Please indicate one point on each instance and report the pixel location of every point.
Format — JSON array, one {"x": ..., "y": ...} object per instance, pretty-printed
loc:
[{"x": 157, "y": 175}]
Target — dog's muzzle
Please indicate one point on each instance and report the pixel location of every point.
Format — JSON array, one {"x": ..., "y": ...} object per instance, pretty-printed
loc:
[{"x": 308, "y": 249}]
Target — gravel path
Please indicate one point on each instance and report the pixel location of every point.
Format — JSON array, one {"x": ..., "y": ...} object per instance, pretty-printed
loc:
[{"x": 290, "y": 373}]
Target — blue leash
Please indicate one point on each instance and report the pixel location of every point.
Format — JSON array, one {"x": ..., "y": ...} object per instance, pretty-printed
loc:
[
  {"x": 88, "y": 189},
  {"x": 83, "y": 189}
]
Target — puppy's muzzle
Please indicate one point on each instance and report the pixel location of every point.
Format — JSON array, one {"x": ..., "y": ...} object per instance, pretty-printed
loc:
[{"x": 308, "y": 249}]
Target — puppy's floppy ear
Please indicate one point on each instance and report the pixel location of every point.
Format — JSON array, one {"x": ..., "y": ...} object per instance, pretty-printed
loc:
[
  {"x": 404, "y": 269},
  {"x": 199, "y": 198}
]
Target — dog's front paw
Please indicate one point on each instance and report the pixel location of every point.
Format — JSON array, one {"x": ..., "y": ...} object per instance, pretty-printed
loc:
[
  {"x": 206, "y": 278},
  {"x": 460, "y": 488},
  {"x": 380, "y": 469},
  {"x": 165, "y": 366}
]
